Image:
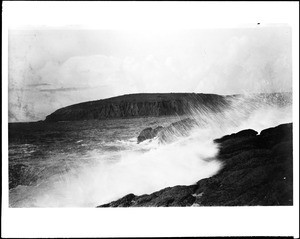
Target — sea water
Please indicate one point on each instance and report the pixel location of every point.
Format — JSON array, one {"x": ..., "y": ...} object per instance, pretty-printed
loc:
[{"x": 89, "y": 163}]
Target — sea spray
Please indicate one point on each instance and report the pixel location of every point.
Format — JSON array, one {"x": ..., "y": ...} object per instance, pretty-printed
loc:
[
  {"x": 110, "y": 169},
  {"x": 134, "y": 172}
]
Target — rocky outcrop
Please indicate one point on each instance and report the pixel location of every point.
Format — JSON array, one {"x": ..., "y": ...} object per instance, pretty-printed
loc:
[
  {"x": 241, "y": 134},
  {"x": 166, "y": 134},
  {"x": 258, "y": 170},
  {"x": 171, "y": 196},
  {"x": 148, "y": 133},
  {"x": 177, "y": 129},
  {"x": 139, "y": 105}
]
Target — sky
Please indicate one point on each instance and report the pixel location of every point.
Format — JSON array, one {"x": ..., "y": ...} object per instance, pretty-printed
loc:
[{"x": 53, "y": 68}]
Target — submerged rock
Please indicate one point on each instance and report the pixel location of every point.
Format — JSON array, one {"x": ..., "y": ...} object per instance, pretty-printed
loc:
[{"x": 258, "y": 170}]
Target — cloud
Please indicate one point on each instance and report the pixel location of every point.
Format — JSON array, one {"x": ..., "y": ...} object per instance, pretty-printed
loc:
[
  {"x": 250, "y": 64},
  {"x": 53, "y": 70},
  {"x": 38, "y": 84},
  {"x": 63, "y": 89}
]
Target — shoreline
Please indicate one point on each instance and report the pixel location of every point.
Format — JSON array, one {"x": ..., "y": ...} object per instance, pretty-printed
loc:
[{"x": 258, "y": 170}]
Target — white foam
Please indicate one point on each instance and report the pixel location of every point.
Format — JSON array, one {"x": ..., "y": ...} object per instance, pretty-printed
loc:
[{"x": 151, "y": 166}]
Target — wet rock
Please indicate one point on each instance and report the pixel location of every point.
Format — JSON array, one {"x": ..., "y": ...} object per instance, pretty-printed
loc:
[
  {"x": 177, "y": 129},
  {"x": 258, "y": 170},
  {"x": 244, "y": 133},
  {"x": 272, "y": 136},
  {"x": 167, "y": 134},
  {"x": 123, "y": 202},
  {"x": 179, "y": 196},
  {"x": 148, "y": 133}
]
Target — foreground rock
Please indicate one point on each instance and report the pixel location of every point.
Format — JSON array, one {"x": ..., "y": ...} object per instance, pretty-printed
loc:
[{"x": 258, "y": 170}]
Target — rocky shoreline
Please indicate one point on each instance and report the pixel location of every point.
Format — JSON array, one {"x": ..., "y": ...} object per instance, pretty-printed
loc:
[{"x": 257, "y": 170}]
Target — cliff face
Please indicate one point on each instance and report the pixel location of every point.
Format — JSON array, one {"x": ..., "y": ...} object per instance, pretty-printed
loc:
[
  {"x": 166, "y": 104},
  {"x": 139, "y": 105},
  {"x": 258, "y": 170}
]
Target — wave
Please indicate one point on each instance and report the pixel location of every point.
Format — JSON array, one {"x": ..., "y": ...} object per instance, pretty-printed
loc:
[{"x": 153, "y": 164}]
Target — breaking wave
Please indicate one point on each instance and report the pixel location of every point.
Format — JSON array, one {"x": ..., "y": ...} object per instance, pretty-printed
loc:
[{"x": 122, "y": 166}]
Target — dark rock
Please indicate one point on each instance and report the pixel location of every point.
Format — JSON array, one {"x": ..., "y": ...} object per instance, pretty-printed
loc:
[
  {"x": 244, "y": 133},
  {"x": 123, "y": 202},
  {"x": 166, "y": 134},
  {"x": 272, "y": 136},
  {"x": 283, "y": 150},
  {"x": 179, "y": 196},
  {"x": 157, "y": 129},
  {"x": 148, "y": 133},
  {"x": 145, "y": 134},
  {"x": 176, "y": 129},
  {"x": 252, "y": 174},
  {"x": 258, "y": 170}
]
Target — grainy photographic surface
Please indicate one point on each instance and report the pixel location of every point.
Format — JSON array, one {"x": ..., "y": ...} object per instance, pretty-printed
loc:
[{"x": 127, "y": 118}]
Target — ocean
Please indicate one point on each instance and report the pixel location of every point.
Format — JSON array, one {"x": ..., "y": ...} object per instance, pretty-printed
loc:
[{"x": 89, "y": 163}]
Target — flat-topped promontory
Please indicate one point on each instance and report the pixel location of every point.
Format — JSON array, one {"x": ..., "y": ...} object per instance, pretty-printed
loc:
[
  {"x": 156, "y": 104},
  {"x": 138, "y": 105}
]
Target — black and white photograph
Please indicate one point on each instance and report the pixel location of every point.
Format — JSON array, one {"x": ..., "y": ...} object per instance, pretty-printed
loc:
[{"x": 199, "y": 117}]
